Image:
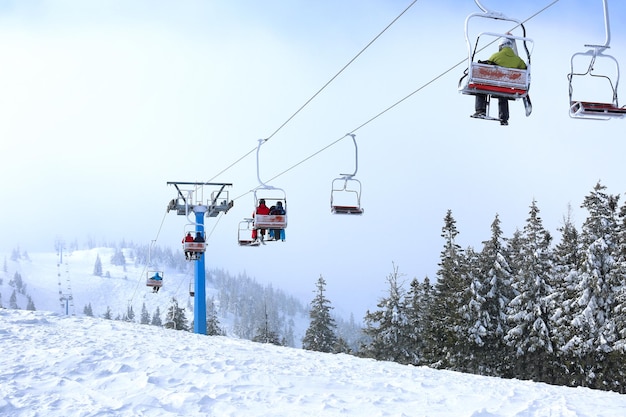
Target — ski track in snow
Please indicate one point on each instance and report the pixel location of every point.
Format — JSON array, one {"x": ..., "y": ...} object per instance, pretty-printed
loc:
[{"x": 53, "y": 365}]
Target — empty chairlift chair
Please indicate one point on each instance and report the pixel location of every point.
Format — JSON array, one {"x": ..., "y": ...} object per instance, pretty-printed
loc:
[
  {"x": 345, "y": 193},
  {"x": 600, "y": 76}
]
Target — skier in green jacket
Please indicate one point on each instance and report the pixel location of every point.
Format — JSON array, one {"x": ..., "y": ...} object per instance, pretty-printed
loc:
[{"x": 505, "y": 57}]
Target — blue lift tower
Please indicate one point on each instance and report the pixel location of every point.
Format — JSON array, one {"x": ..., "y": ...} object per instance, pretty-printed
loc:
[{"x": 190, "y": 200}]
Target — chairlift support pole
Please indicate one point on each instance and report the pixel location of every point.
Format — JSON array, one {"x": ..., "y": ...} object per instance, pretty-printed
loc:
[
  {"x": 199, "y": 309},
  {"x": 200, "y": 209}
]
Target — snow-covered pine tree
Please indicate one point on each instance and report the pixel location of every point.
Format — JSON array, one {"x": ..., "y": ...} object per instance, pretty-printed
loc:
[
  {"x": 620, "y": 291},
  {"x": 595, "y": 298},
  {"x": 212, "y": 321},
  {"x": 108, "y": 314},
  {"x": 450, "y": 293},
  {"x": 97, "y": 267},
  {"x": 18, "y": 283},
  {"x": 175, "y": 317},
  {"x": 288, "y": 338},
  {"x": 530, "y": 335},
  {"x": 118, "y": 258},
  {"x": 320, "y": 335},
  {"x": 145, "y": 316},
  {"x": 156, "y": 318},
  {"x": 613, "y": 373},
  {"x": 13, "y": 300},
  {"x": 565, "y": 279},
  {"x": 30, "y": 304},
  {"x": 387, "y": 327},
  {"x": 493, "y": 287},
  {"x": 265, "y": 333},
  {"x": 87, "y": 310},
  {"x": 416, "y": 304},
  {"x": 472, "y": 330}
]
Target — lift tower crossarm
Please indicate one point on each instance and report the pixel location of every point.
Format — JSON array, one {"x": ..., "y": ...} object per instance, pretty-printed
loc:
[
  {"x": 187, "y": 206},
  {"x": 197, "y": 183}
]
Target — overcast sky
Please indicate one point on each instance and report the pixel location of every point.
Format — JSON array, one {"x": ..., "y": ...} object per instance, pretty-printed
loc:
[{"x": 103, "y": 102}]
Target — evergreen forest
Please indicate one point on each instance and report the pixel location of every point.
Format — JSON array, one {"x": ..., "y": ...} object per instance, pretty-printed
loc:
[{"x": 525, "y": 306}]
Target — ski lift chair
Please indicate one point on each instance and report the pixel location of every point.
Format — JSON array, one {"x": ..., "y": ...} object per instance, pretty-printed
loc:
[
  {"x": 195, "y": 249},
  {"x": 496, "y": 81},
  {"x": 244, "y": 233},
  {"x": 345, "y": 196},
  {"x": 483, "y": 77},
  {"x": 272, "y": 196},
  {"x": 151, "y": 281},
  {"x": 589, "y": 109},
  {"x": 595, "y": 110}
]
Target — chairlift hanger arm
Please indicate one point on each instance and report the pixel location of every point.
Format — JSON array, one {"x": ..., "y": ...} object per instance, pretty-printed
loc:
[
  {"x": 490, "y": 13},
  {"x": 258, "y": 174},
  {"x": 356, "y": 156},
  {"x": 607, "y": 29}
]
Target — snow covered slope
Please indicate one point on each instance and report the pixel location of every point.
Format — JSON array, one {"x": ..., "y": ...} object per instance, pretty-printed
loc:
[
  {"x": 118, "y": 288},
  {"x": 53, "y": 365}
]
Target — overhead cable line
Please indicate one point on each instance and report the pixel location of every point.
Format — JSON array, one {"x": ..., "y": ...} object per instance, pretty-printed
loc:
[
  {"x": 342, "y": 69},
  {"x": 145, "y": 267},
  {"x": 394, "y": 104},
  {"x": 318, "y": 91}
]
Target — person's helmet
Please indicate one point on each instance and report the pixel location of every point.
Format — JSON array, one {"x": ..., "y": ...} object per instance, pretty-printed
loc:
[{"x": 505, "y": 43}]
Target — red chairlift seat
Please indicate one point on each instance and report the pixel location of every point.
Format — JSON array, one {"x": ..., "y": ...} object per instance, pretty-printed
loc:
[
  {"x": 154, "y": 282},
  {"x": 151, "y": 282},
  {"x": 194, "y": 246},
  {"x": 497, "y": 81},
  {"x": 346, "y": 210},
  {"x": 270, "y": 221},
  {"x": 587, "y": 108},
  {"x": 194, "y": 250}
]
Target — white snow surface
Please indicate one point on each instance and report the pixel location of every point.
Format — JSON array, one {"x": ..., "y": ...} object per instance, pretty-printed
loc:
[{"x": 54, "y": 365}]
